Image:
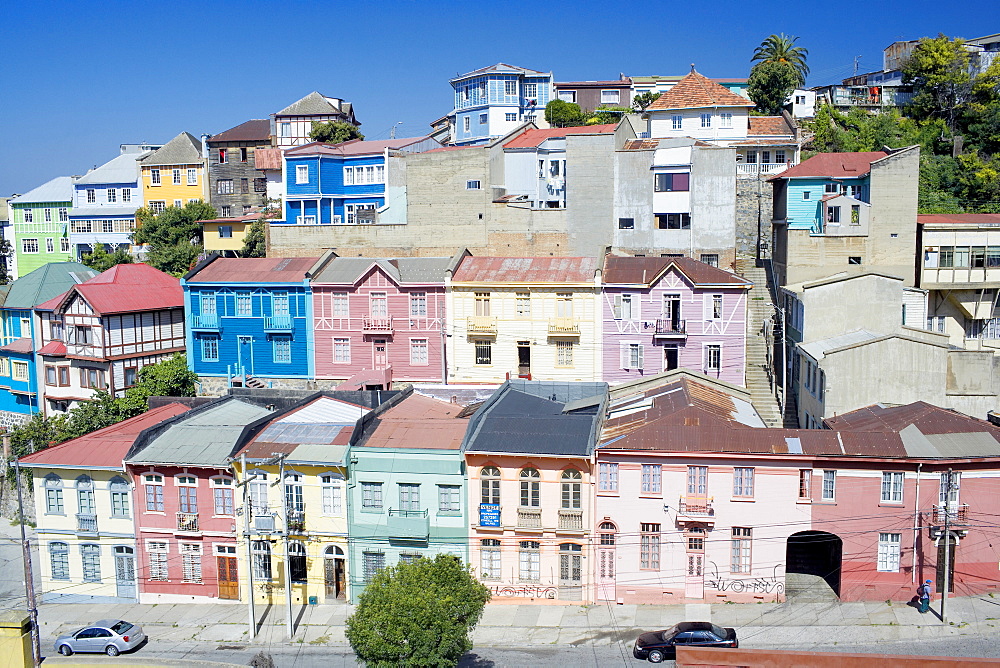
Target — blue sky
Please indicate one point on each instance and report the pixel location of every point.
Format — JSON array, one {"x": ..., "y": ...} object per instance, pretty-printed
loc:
[{"x": 81, "y": 78}]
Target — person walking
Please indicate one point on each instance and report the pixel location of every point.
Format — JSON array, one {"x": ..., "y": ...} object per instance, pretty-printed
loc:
[{"x": 924, "y": 592}]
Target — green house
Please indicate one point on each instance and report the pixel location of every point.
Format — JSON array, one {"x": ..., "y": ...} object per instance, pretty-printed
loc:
[{"x": 40, "y": 221}]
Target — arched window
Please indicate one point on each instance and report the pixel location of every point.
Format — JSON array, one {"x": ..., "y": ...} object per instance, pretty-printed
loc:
[
  {"x": 334, "y": 551},
  {"x": 607, "y": 532},
  {"x": 261, "y": 552},
  {"x": 297, "y": 561},
  {"x": 59, "y": 558},
  {"x": 119, "y": 497},
  {"x": 490, "y": 479},
  {"x": 571, "y": 494},
  {"x": 530, "y": 488},
  {"x": 54, "y": 495}
]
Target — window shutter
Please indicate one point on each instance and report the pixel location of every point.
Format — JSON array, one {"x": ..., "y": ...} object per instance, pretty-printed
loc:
[
  {"x": 624, "y": 355},
  {"x": 641, "y": 349},
  {"x": 706, "y": 307},
  {"x": 618, "y": 307}
]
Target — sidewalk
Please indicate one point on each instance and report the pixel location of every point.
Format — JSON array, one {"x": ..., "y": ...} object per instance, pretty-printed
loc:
[{"x": 773, "y": 625}]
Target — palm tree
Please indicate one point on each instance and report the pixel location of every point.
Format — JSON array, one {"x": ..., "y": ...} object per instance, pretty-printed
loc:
[{"x": 781, "y": 49}]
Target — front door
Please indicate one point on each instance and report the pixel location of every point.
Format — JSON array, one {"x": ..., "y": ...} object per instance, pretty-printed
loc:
[
  {"x": 229, "y": 580},
  {"x": 523, "y": 358},
  {"x": 671, "y": 358},
  {"x": 334, "y": 573},
  {"x": 694, "y": 584},
  {"x": 244, "y": 355},
  {"x": 939, "y": 578},
  {"x": 606, "y": 574},
  {"x": 379, "y": 358},
  {"x": 125, "y": 572}
]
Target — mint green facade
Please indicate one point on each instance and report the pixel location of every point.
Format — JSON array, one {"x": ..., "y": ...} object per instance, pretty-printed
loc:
[{"x": 40, "y": 222}]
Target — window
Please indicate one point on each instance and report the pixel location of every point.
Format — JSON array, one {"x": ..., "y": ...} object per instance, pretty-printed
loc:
[
  {"x": 676, "y": 122},
  {"x": 611, "y": 96},
  {"x": 258, "y": 492},
  {"x": 806, "y": 195},
  {"x": 715, "y": 307},
  {"x": 607, "y": 477},
  {"x": 157, "y": 207},
  {"x": 673, "y": 221},
  {"x": 378, "y": 305},
  {"x": 489, "y": 559},
  {"x": 191, "y": 562},
  {"x": 706, "y": 120},
  {"x": 243, "y": 154},
  {"x": 418, "y": 352},
  {"x": 676, "y": 182},
  {"x": 854, "y": 259},
  {"x": 282, "y": 349},
  {"x": 187, "y": 497},
  {"x": 19, "y": 370},
  {"x": 523, "y": 304},
  {"x": 341, "y": 306},
  {"x": 888, "y": 552},
  {"x": 157, "y": 552},
  {"x": 489, "y": 480},
  {"x": 713, "y": 358},
  {"x": 371, "y": 496},
  {"x": 4, "y": 366},
  {"x": 632, "y": 356},
  {"x": 725, "y": 120},
  {"x": 91, "y": 197},
  {"x": 294, "y": 499},
  {"x": 64, "y": 212},
  {"x": 225, "y": 186},
  {"x": 210, "y": 348},
  {"x": 530, "y": 488},
  {"x": 482, "y": 303},
  {"x": 302, "y": 174},
  {"x": 697, "y": 480},
  {"x": 418, "y": 304},
  {"x": 29, "y": 245},
  {"x": 372, "y": 563},
  {"x": 510, "y": 116},
  {"x": 829, "y": 485},
  {"x": 82, "y": 226},
  {"x": 260, "y": 185},
  {"x": 332, "y": 492},
  {"x": 59, "y": 560},
  {"x": 409, "y": 496},
  {"x": 449, "y": 499},
  {"x": 297, "y": 568},
  {"x": 50, "y": 375},
  {"x": 225, "y": 231},
  {"x": 564, "y": 353},
  {"x": 260, "y": 553},
  {"x": 743, "y": 481},
  {"x": 892, "y": 487},
  {"x": 119, "y": 497},
  {"x": 53, "y": 495},
  {"x": 472, "y": 185},
  {"x": 29, "y": 215},
  {"x": 483, "y": 119},
  {"x": 833, "y": 215},
  {"x": 948, "y": 490},
  {"x": 570, "y": 562},
  {"x": 564, "y": 305},
  {"x": 484, "y": 351},
  {"x": 466, "y": 123},
  {"x": 510, "y": 87},
  {"x": 285, "y": 128},
  {"x": 649, "y": 546},
  {"x": 571, "y": 489},
  {"x": 64, "y": 245},
  {"x": 192, "y": 177},
  {"x": 222, "y": 495},
  {"x": 92, "y": 378},
  {"x": 222, "y": 156},
  {"x": 696, "y": 542},
  {"x": 779, "y": 157},
  {"x": 244, "y": 306},
  {"x": 568, "y": 96},
  {"x": 342, "y": 351},
  {"x": 91, "y": 555},
  {"x": 740, "y": 561},
  {"x": 805, "y": 484},
  {"x": 154, "y": 492},
  {"x": 529, "y": 560},
  {"x": 607, "y": 534},
  {"x": 154, "y": 177},
  {"x": 651, "y": 479},
  {"x": 530, "y": 90},
  {"x": 626, "y": 223},
  {"x": 176, "y": 173},
  {"x": 711, "y": 259}
]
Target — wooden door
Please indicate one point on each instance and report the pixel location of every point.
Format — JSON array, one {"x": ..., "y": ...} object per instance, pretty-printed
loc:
[
  {"x": 379, "y": 358},
  {"x": 939, "y": 577},
  {"x": 229, "y": 581},
  {"x": 694, "y": 584}
]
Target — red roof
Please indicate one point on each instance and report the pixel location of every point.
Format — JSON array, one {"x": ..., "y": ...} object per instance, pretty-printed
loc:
[
  {"x": 694, "y": 91},
  {"x": 526, "y": 270},
  {"x": 532, "y": 138},
  {"x": 834, "y": 165},
  {"x": 960, "y": 218},
  {"x": 53, "y": 348},
  {"x": 18, "y": 346},
  {"x": 768, "y": 126},
  {"x": 253, "y": 270},
  {"x": 646, "y": 270},
  {"x": 104, "y": 448},
  {"x": 929, "y": 419},
  {"x": 249, "y": 131},
  {"x": 354, "y": 146},
  {"x": 125, "y": 288},
  {"x": 420, "y": 422}
]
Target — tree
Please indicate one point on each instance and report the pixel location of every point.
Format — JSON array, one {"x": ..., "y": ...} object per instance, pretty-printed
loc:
[
  {"x": 643, "y": 100},
  {"x": 781, "y": 49},
  {"x": 417, "y": 614},
  {"x": 334, "y": 132},
  {"x": 6, "y": 252},
  {"x": 607, "y": 114},
  {"x": 563, "y": 114},
  {"x": 255, "y": 241},
  {"x": 34, "y": 434},
  {"x": 174, "y": 235},
  {"x": 101, "y": 260},
  {"x": 770, "y": 84}
]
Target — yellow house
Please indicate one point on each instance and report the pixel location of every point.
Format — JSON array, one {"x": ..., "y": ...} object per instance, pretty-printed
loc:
[
  {"x": 174, "y": 175},
  {"x": 528, "y": 317},
  {"x": 226, "y": 235},
  {"x": 294, "y": 508}
]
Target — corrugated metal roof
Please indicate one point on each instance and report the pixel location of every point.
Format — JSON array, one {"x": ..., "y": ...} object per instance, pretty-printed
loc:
[
  {"x": 122, "y": 169},
  {"x": 255, "y": 130},
  {"x": 834, "y": 165},
  {"x": 59, "y": 189},
  {"x": 817, "y": 349},
  {"x": 526, "y": 270},
  {"x": 959, "y": 218},
  {"x": 48, "y": 281},
  {"x": 53, "y": 348},
  {"x": 334, "y": 455},
  {"x": 647, "y": 270},
  {"x": 131, "y": 288},
  {"x": 183, "y": 149},
  {"x": 531, "y": 138},
  {"x": 354, "y": 147},
  {"x": 267, "y": 158},
  {"x": 324, "y": 422},
  {"x": 79, "y": 212},
  {"x": 325, "y": 410},
  {"x": 19, "y": 346},
  {"x": 419, "y": 422},
  {"x": 350, "y": 270},
  {"x": 254, "y": 270}
]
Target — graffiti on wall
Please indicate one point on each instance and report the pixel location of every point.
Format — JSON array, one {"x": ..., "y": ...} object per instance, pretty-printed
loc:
[
  {"x": 523, "y": 591},
  {"x": 756, "y": 585}
]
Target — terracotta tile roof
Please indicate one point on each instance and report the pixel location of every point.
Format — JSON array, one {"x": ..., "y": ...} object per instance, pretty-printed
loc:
[
  {"x": 694, "y": 91},
  {"x": 252, "y": 270},
  {"x": 267, "y": 158},
  {"x": 532, "y": 138},
  {"x": 960, "y": 218},
  {"x": 834, "y": 165},
  {"x": 769, "y": 126},
  {"x": 255, "y": 130},
  {"x": 419, "y": 422},
  {"x": 647, "y": 270},
  {"x": 104, "y": 448},
  {"x": 526, "y": 270},
  {"x": 18, "y": 346}
]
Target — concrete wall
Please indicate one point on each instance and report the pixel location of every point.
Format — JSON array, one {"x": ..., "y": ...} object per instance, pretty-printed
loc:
[
  {"x": 894, "y": 185},
  {"x": 832, "y": 309},
  {"x": 590, "y": 193},
  {"x": 713, "y": 203}
]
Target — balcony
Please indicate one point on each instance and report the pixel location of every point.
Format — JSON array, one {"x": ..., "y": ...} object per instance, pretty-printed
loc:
[
  {"x": 481, "y": 324},
  {"x": 187, "y": 522},
  {"x": 764, "y": 168},
  {"x": 670, "y": 329},
  {"x": 956, "y": 514},
  {"x": 695, "y": 508},
  {"x": 571, "y": 520},
  {"x": 564, "y": 327},
  {"x": 529, "y": 518},
  {"x": 408, "y": 524},
  {"x": 376, "y": 325},
  {"x": 278, "y": 323},
  {"x": 296, "y": 521},
  {"x": 86, "y": 523},
  {"x": 205, "y": 322}
]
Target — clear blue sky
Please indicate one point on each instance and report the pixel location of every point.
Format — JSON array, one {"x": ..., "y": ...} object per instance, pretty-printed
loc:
[{"x": 81, "y": 78}]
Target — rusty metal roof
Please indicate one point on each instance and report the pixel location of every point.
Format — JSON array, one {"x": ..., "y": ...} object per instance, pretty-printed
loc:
[
  {"x": 648, "y": 270},
  {"x": 419, "y": 422},
  {"x": 248, "y": 131},
  {"x": 253, "y": 270},
  {"x": 267, "y": 158},
  {"x": 526, "y": 270},
  {"x": 959, "y": 218}
]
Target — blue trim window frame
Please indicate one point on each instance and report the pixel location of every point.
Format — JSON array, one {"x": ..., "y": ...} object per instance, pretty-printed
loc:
[
  {"x": 210, "y": 348},
  {"x": 282, "y": 349},
  {"x": 244, "y": 304},
  {"x": 208, "y": 303},
  {"x": 280, "y": 305}
]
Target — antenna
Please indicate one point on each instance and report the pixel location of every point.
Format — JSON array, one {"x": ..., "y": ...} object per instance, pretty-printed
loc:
[{"x": 856, "y": 59}]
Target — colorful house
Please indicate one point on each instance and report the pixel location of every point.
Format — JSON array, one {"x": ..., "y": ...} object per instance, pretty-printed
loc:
[
  {"x": 185, "y": 501},
  {"x": 174, "y": 174},
  {"x": 22, "y": 336},
  {"x": 381, "y": 318},
  {"x": 291, "y": 126},
  {"x": 529, "y": 452},
  {"x": 236, "y": 185},
  {"x": 494, "y": 100},
  {"x": 528, "y": 317},
  {"x": 250, "y": 317},
  {"x": 661, "y": 314},
  {"x": 99, "y": 333},
  {"x": 85, "y": 513},
  {"x": 226, "y": 236},
  {"x": 40, "y": 221},
  {"x": 407, "y": 497}
]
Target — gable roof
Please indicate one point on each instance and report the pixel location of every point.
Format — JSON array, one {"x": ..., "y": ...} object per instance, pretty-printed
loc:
[
  {"x": 104, "y": 448},
  {"x": 122, "y": 169},
  {"x": 355, "y": 146},
  {"x": 834, "y": 166},
  {"x": 125, "y": 288},
  {"x": 694, "y": 91},
  {"x": 526, "y": 270},
  {"x": 648, "y": 270},
  {"x": 317, "y": 431},
  {"x": 531, "y": 138},
  {"x": 251, "y": 270},
  {"x": 418, "y": 422},
  {"x": 253, "y": 130},
  {"x": 183, "y": 149},
  {"x": 315, "y": 104},
  {"x": 768, "y": 126},
  {"x": 48, "y": 281},
  {"x": 59, "y": 189},
  {"x": 499, "y": 68},
  {"x": 350, "y": 270}
]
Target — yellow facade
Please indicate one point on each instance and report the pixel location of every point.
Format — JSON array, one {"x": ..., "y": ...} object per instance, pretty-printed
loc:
[
  {"x": 216, "y": 241},
  {"x": 15, "y": 639},
  {"x": 317, "y": 526},
  {"x": 173, "y": 185}
]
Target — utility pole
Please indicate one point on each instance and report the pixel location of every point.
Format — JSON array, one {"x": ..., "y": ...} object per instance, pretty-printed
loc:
[
  {"x": 947, "y": 546},
  {"x": 29, "y": 580},
  {"x": 249, "y": 541},
  {"x": 288, "y": 564}
]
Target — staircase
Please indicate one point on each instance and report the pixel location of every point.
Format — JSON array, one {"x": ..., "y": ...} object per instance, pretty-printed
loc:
[
  {"x": 761, "y": 333},
  {"x": 250, "y": 381}
]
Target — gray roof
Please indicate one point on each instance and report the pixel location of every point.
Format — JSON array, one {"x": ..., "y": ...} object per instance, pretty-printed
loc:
[
  {"x": 48, "y": 281},
  {"x": 206, "y": 436},
  {"x": 348, "y": 270},
  {"x": 542, "y": 418},
  {"x": 313, "y": 103},
  {"x": 972, "y": 444},
  {"x": 59, "y": 189},
  {"x": 103, "y": 211},
  {"x": 122, "y": 169},
  {"x": 183, "y": 149},
  {"x": 817, "y": 349}
]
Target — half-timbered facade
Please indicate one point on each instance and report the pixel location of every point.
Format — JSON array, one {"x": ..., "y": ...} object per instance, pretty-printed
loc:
[
  {"x": 98, "y": 334},
  {"x": 660, "y": 314}
]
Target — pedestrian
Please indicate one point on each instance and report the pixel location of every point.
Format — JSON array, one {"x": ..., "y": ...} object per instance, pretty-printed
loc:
[{"x": 924, "y": 592}]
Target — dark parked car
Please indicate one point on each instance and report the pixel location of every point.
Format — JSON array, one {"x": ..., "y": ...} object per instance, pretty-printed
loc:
[
  {"x": 108, "y": 636},
  {"x": 659, "y": 645}
]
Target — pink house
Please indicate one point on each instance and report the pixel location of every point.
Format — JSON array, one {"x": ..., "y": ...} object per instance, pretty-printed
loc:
[
  {"x": 664, "y": 313},
  {"x": 380, "y": 320}
]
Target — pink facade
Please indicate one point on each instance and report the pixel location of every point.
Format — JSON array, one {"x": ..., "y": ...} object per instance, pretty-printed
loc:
[{"x": 660, "y": 314}]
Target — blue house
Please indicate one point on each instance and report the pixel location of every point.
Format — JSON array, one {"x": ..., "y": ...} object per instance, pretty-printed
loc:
[
  {"x": 492, "y": 101},
  {"x": 18, "y": 373},
  {"x": 329, "y": 184},
  {"x": 250, "y": 318},
  {"x": 827, "y": 191}
]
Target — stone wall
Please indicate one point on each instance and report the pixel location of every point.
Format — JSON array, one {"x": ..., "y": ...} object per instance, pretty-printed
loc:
[{"x": 754, "y": 196}]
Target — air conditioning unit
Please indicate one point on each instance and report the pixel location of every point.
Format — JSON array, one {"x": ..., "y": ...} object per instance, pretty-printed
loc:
[{"x": 263, "y": 523}]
